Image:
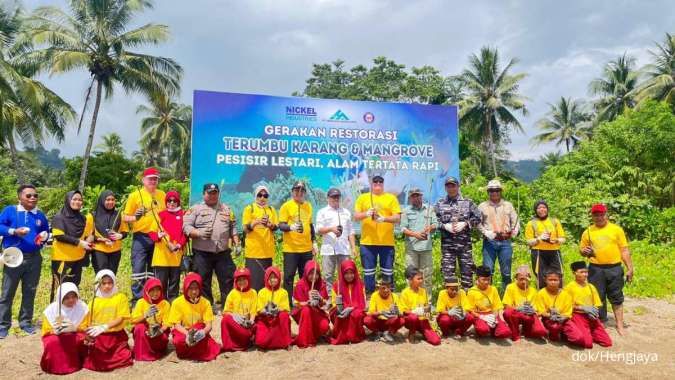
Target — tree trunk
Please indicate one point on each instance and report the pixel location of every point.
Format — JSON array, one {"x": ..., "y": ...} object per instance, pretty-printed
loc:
[
  {"x": 567, "y": 143},
  {"x": 491, "y": 145},
  {"x": 15, "y": 158},
  {"x": 90, "y": 138}
]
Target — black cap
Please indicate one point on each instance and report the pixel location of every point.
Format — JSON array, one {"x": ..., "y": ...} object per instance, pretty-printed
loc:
[
  {"x": 483, "y": 271},
  {"x": 299, "y": 185},
  {"x": 451, "y": 179},
  {"x": 578, "y": 265},
  {"x": 211, "y": 188},
  {"x": 333, "y": 192},
  {"x": 415, "y": 190},
  {"x": 411, "y": 272},
  {"x": 377, "y": 176}
]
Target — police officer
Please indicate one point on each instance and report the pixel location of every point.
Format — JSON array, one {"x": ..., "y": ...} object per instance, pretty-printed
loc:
[
  {"x": 211, "y": 225},
  {"x": 456, "y": 217}
]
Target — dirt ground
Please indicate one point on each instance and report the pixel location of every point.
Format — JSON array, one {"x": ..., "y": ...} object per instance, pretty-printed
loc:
[{"x": 651, "y": 333}]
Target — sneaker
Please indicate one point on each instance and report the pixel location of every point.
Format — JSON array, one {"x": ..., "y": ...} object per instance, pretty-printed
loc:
[
  {"x": 387, "y": 338},
  {"x": 30, "y": 330},
  {"x": 3, "y": 333}
]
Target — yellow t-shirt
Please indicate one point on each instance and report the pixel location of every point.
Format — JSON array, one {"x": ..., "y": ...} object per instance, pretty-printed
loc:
[
  {"x": 242, "y": 303},
  {"x": 280, "y": 298},
  {"x": 445, "y": 303},
  {"x": 187, "y": 314},
  {"x": 544, "y": 301},
  {"x": 142, "y": 306},
  {"x": 586, "y": 295},
  {"x": 514, "y": 296},
  {"x": 163, "y": 257},
  {"x": 536, "y": 227},
  {"x": 105, "y": 310},
  {"x": 378, "y": 304},
  {"x": 294, "y": 242},
  {"x": 48, "y": 329},
  {"x": 373, "y": 233},
  {"x": 152, "y": 203},
  {"x": 483, "y": 301},
  {"x": 103, "y": 247},
  {"x": 606, "y": 243},
  {"x": 68, "y": 252},
  {"x": 260, "y": 241},
  {"x": 411, "y": 299}
]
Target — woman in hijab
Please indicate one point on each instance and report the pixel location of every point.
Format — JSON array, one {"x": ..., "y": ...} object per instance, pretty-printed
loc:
[
  {"x": 273, "y": 323},
  {"x": 260, "y": 221},
  {"x": 545, "y": 236},
  {"x": 72, "y": 239},
  {"x": 151, "y": 333},
  {"x": 349, "y": 301},
  {"x": 309, "y": 297},
  {"x": 108, "y": 311},
  {"x": 109, "y": 231},
  {"x": 62, "y": 332},
  {"x": 191, "y": 317}
]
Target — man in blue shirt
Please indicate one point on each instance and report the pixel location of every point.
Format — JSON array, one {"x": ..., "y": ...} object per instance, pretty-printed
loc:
[{"x": 25, "y": 227}]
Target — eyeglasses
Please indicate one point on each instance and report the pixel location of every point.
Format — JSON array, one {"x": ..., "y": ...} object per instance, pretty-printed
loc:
[
  {"x": 32, "y": 196},
  {"x": 172, "y": 200},
  {"x": 263, "y": 195},
  {"x": 300, "y": 189},
  {"x": 494, "y": 191},
  {"x": 378, "y": 181}
]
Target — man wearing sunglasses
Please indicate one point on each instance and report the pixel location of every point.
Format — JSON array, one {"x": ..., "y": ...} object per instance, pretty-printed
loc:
[
  {"x": 25, "y": 227},
  {"x": 378, "y": 212},
  {"x": 498, "y": 226},
  {"x": 299, "y": 247}
]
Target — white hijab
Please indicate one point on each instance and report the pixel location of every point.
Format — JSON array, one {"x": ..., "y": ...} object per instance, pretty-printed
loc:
[
  {"x": 99, "y": 276},
  {"x": 74, "y": 314},
  {"x": 257, "y": 190}
]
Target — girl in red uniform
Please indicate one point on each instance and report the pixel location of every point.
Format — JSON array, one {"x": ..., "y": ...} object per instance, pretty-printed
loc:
[
  {"x": 349, "y": 305},
  {"x": 309, "y": 296},
  {"x": 273, "y": 323},
  {"x": 151, "y": 334}
]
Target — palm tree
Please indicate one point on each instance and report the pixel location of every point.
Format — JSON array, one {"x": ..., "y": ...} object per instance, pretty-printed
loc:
[
  {"x": 111, "y": 144},
  {"x": 616, "y": 87},
  {"x": 28, "y": 109},
  {"x": 491, "y": 97},
  {"x": 567, "y": 123},
  {"x": 550, "y": 159},
  {"x": 165, "y": 132},
  {"x": 660, "y": 75},
  {"x": 96, "y": 36}
]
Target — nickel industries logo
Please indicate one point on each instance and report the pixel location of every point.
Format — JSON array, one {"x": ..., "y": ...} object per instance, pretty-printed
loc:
[
  {"x": 300, "y": 113},
  {"x": 368, "y": 117}
]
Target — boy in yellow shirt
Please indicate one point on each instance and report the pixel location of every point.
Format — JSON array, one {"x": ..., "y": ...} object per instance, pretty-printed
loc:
[
  {"x": 554, "y": 305},
  {"x": 236, "y": 327},
  {"x": 450, "y": 307},
  {"x": 484, "y": 304},
  {"x": 416, "y": 308},
  {"x": 383, "y": 316},
  {"x": 518, "y": 308},
  {"x": 585, "y": 310}
]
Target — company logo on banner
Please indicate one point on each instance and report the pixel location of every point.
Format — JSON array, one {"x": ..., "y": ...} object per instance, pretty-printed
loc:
[{"x": 241, "y": 141}]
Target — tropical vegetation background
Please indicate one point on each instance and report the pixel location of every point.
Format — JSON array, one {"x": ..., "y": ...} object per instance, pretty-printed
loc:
[{"x": 617, "y": 145}]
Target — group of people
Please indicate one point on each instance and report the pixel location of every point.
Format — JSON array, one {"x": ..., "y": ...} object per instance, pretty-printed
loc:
[{"x": 259, "y": 301}]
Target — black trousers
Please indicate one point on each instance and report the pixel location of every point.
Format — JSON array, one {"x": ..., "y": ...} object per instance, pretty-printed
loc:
[
  {"x": 294, "y": 263},
  {"x": 549, "y": 260},
  {"x": 72, "y": 272},
  {"x": 608, "y": 280},
  {"x": 170, "y": 279},
  {"x": 206, "y": 263},
  {"x": 104, "y": 260},
  {"x": 258, "y": 268}
]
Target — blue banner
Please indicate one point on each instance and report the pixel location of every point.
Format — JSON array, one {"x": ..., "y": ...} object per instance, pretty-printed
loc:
[{"x": 240, "y": 141}]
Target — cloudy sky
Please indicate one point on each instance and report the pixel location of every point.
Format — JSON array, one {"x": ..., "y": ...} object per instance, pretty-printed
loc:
[{"x": 268, "y": 47}]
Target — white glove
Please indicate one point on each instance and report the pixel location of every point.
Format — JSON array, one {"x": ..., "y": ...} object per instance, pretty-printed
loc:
[
  {"x": 448, "y": 227},
  {"x": 315, "y": 247},
  {"x": 199, "y": 335},
  {"x": 65, "y": 326},
  {"x": 239, "y": 319},
  {"x": 460, "y": 226},
  {"x": 371, "y": 212},
  {"x": 295, "y": 227},
  {"x": 84, "y": 244},
  {"x": 152, "y": 311},
  {"x": 43, "y": 235},
  {"x": 419, "y": 311},
  {"x": 379, "y": 219},
  {"x": 490, "y": 235},
  {"x": 95, "y": 331},
  {"x": 490, "y": 319}
]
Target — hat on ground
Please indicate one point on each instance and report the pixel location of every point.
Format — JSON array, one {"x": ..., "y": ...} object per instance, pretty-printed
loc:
[
  {"x": 450, "y": 180},
  {"x": 578, "y": 265},
  {"x": 211, "y": 188},
  {"x": 599, "y": 207},
  {"x": 151, "y": 172}
]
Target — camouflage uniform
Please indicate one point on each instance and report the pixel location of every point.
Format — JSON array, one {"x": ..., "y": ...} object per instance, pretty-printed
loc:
[{"x": 457, "y": 246}]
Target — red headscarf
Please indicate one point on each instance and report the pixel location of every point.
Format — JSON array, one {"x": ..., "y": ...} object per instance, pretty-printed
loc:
[
  {"x": 302, "y": 288},
  {"x": 172, "y": 194},
  {"x": 189, "y": 279},
  {"x": 149, "y": 284},
  {"x": 352, "y": 293},
  {"x": 245, "y": 273},
  {"x": 268, "y": 272}
]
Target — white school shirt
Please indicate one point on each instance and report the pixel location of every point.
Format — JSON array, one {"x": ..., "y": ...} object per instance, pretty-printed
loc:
[{"x": 328, "y": 217}]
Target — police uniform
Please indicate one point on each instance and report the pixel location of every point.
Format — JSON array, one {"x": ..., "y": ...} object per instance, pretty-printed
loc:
[
  {"x": 457, "y": 246},
  {"x": 214, "y": 253}
]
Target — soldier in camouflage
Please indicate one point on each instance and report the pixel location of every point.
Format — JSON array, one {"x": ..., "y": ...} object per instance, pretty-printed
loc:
[{"x": 457, "y": 216}]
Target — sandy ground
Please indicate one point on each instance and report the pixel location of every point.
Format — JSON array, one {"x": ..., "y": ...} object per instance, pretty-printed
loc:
[{"x": 651, "y": 333}]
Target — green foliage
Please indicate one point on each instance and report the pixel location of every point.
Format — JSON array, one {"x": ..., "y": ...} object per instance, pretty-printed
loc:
[{"x": 111, "y": 170}]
